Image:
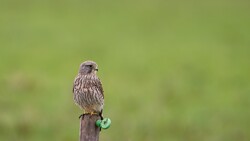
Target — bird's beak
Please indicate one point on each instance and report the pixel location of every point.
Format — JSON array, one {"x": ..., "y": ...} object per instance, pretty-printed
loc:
[{"x": 96, "y": 69}]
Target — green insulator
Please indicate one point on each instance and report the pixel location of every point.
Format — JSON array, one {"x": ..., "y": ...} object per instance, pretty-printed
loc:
[{"x": 104, "y": 124}]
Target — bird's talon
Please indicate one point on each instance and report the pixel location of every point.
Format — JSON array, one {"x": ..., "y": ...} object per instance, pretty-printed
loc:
[
  {"x": 93, "y": 113},
  {"x": 82, "y": 116}
]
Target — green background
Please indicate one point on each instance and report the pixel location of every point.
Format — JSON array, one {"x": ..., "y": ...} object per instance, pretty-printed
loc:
[{"x": 171, "y": 70}]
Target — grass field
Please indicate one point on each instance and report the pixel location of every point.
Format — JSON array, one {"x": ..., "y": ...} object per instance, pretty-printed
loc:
[{"x": 171, "y": 70}]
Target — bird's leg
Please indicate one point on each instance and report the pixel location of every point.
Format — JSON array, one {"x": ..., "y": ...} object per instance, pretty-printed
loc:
[{"x": 99, "y": 114}]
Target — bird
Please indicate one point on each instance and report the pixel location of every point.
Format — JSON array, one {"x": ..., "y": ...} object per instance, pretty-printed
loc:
[{"x": 88, "y": 92}]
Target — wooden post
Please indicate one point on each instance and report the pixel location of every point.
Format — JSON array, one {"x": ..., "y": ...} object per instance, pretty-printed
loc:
[{"x": 88, "y": 129}]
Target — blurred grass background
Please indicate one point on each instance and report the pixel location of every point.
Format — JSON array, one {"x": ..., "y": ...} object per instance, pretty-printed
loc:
[{"x": 171, "y": 70}]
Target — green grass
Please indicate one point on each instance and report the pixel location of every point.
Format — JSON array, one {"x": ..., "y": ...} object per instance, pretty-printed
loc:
[{"x": 171, "y": 70}]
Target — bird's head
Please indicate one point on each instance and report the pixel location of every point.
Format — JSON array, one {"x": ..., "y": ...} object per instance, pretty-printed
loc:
[{"x": 88, "y": 67}]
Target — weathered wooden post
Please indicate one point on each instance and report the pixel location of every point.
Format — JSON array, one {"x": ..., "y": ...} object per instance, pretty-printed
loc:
[
  {"x": 91, "y": 125},
  {"x": 88, "y": 129}
]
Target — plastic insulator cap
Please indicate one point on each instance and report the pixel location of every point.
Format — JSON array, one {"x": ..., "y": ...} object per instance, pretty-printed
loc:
[{"x": 104, "y": 124}]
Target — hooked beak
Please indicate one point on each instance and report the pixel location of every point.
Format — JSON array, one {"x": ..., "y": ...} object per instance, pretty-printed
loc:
[{"x": 96, "y": 69}]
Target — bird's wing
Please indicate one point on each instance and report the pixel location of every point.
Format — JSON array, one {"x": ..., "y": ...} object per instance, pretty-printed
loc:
[
  {"x": 78, "y": 85},
  {"x": 98, "y": 85}
]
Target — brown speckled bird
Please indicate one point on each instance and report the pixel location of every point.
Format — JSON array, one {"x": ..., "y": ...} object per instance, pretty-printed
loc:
[{"x": 87, "y": 89}]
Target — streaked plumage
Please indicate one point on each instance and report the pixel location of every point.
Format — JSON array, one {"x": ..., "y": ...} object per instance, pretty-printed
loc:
[{"x": 87, "y": 89}]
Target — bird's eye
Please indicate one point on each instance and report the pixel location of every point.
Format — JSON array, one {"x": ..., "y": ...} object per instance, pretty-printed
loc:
[{"x": 90, "y": 66}]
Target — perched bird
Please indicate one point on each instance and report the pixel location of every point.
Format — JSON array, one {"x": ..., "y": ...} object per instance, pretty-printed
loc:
[{"x": 87, "y": 89}]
